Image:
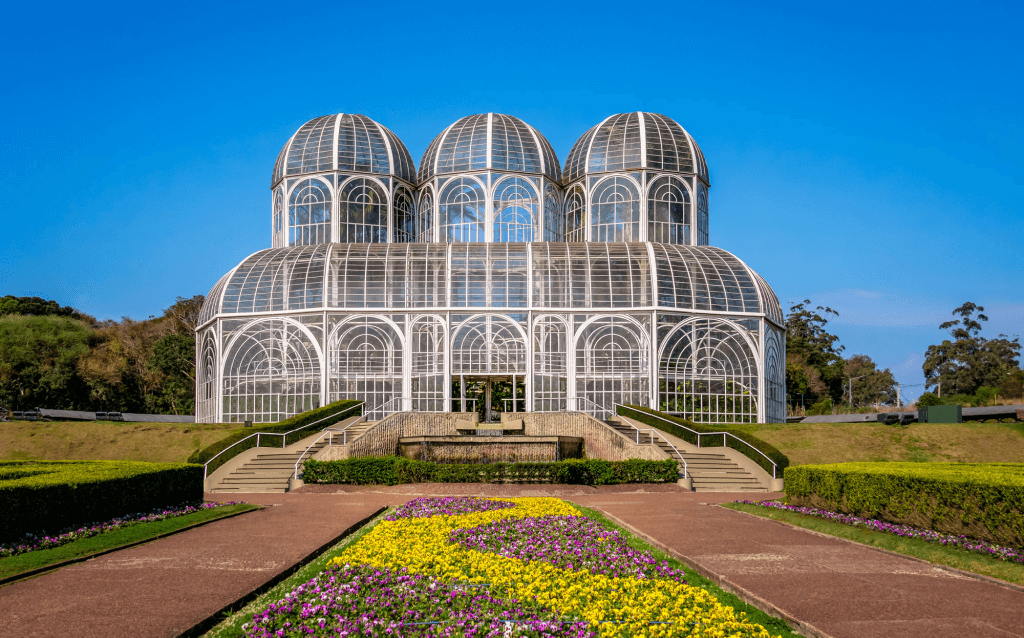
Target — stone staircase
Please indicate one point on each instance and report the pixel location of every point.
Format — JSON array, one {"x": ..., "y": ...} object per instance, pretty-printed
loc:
[
  {"x": 708, "y": 471},
  {"x": 271, "y": 471}
]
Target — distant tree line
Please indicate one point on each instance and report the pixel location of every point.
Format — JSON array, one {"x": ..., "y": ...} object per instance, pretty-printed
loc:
[
  {"x": 968, "y": 367},
  {"x": 56, "y": 357}
]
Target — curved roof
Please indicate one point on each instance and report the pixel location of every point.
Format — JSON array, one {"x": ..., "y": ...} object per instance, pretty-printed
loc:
[
  {"x": 593, "y": 275},
  {"x": 344, "y": 142},
  {"x": 628, "y": 141},
  {"x": 490, "y": 141}
]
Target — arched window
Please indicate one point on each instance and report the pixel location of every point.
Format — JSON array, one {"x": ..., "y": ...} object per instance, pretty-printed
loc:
[
  {"x": 309, "y": 214},
  {"x": 425, "y": 217},
  {"x": 278, "y": 221},
  {"x": 774, "y": 376},
  {"x": 702, "y": 216},
  {"x": 554, "y": 218},
  {"x": 576, "y": 215},
  {"x": 362, "y": 212},
  {"x": 365, "y": 362},
  {"x": 709, "y": 373},
  {"x": 427, "y": 342},
  {"x": 550, "y": 365},
  {"x": 488, "y": 345},
  {"x": 206, "y": 408},
  {"x": 616, "y": 211},
  {"x": 668, "y": 208},
  {"x": 271, "y": 372},
  {"x": 515, "y": 211},
  {"x": 612, "y": 364},
  {"x": 405, "y": 216},
  {"x": 462, "y": 211}
]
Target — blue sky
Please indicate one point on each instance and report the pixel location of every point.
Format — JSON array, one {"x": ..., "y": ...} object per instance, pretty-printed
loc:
[{"x": 864, "y": 156}]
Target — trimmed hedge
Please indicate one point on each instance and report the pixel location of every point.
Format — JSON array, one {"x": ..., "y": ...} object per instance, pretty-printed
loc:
[
  {"x": 980, "y": 500},
  {"x": 48, "y": 496},
  {"x": 644, "y": 416},
  {"x": 341, "y": 409},
  {"x": 394, "y": 470}
]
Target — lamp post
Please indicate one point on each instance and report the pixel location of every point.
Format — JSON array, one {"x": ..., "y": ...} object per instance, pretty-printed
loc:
[{"x": 852, "y": 379}]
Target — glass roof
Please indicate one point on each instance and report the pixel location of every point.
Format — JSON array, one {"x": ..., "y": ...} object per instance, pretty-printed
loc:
[
  {"x": 363, "y": 146},
  {"x": 552, "y": 275},
  {"x": 489, "y": 141},
  {"x": 629, "y": 141}
]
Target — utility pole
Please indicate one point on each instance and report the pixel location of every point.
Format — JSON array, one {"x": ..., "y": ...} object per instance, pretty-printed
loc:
[
  {"x": 852, "y": 379},
  {"x": 898, "y": 404}
]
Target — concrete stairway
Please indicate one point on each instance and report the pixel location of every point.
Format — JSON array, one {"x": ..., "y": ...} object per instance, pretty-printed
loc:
[
  {"x": 270, "y": 471},
  {"x": 709, "y": 472}
]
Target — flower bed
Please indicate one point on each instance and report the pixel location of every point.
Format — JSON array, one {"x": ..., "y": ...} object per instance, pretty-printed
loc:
[
  {"x": 35, "y": 542},
  {"x": 533, "y": 567},
  {"x": 906, "y": 531}
]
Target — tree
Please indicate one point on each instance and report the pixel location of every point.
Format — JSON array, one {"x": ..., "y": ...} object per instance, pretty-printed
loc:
[
  {"x": 185, "y": 314},
  {"x": 875, "y": 386},
  {"x": 174, "y": 358},
  {"x": 37, "y": 362},
  {"x": 39, "y": 307},
  {"x": 813, "y": 354},
  {"x": 969, "y": 361}
]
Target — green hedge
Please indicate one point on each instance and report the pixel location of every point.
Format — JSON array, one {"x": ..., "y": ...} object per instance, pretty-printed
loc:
[
  {"x": 48, "y": 496},
  {"x": 394, "y": 470},
  {"x": 340, "y": 409},
  {"x": 980, "y": 500},
  {"x": 644, "y": 415}
]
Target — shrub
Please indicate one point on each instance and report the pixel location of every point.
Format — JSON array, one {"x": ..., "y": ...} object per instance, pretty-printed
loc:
[
  {"x": 676, "y": 426},
  {"x": 928, "y": 399},
  {"x": 314, "y": 418},
  {"x": 981, "y": 500},
  {"x": 37, "y": 496},
  {"x": 821, "y": 407},
  {"x": 394, "y": 470}
]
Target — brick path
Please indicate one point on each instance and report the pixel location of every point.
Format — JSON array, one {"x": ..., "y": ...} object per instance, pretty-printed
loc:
[{"x": 838, "y": 588}]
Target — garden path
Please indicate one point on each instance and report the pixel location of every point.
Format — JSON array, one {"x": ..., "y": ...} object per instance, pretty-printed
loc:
[{"x": 163, "y": 588}]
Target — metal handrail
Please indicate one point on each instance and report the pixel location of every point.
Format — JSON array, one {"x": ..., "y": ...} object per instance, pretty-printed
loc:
[
  {"x": 652, "y": 432},
  {"x": 284, "y": 436},
  {"x": 330, "y": 441},
  {"x": 775, "y": 466},
  {"x": 598, "y": 409}
]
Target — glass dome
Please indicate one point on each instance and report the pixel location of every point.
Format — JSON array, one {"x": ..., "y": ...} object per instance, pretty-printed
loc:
[
  {"x": 489, "y": 141},
  {"x": 630, "y": 141}
]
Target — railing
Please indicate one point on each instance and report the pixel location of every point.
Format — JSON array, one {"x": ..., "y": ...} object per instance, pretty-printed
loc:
[
  {"x": 389, "y": 407},
  {"x": 283, "y": 435},
  {"x": 651, "y": 432},
  {"x": 515, "y": 403},
  {"x": 461, "y": 409},
  {"x": 584, "y": 404},
  {"x": 330, "y": 441},
  {"x": 725, "y": 437}
]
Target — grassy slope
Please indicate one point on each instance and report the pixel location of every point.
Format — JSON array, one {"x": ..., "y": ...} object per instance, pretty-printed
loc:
[
  {"x": 106, "y": 440},
  {"x": 41, "y": 558},
  {"x": 806, "y": 443},
  {"x": 938, "y": 554}
]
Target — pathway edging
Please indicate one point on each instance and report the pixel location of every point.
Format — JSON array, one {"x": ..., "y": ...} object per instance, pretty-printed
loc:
[
  {"x": 216, "y": 617},
  {"x": 989, "y": 579},
  {"x": 744, "y": 595},
  {"x": 81, "y": 559}
]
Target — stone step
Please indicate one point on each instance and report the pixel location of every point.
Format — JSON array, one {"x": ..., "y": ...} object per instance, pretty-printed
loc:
[{"x": 730, "y": 489}]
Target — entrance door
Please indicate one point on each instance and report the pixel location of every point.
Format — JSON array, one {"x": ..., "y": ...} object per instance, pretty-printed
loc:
[{"x": 489, "y": 395}]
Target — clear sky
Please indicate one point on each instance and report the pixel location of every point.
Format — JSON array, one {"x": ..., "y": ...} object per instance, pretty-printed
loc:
[{"x": 865, "y": 156}]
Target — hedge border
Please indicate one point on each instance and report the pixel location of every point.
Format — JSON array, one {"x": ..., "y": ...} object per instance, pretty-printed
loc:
[
  {"x": 311, "y": 417},
  {"x": 643, "y": 415},
  {"x": 970, "y": 499},
  {"x": 395, "y": 470}
]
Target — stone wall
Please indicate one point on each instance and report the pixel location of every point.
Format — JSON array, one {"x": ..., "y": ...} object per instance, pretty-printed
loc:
[{"x": 601, "y": 441}]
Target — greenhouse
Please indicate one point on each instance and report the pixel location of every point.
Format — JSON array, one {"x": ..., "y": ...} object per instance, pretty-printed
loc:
[{"x": 491, "y": 280}]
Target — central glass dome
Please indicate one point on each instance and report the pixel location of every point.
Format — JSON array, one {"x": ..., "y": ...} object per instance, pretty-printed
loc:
[{"x": 490, "y": 178}]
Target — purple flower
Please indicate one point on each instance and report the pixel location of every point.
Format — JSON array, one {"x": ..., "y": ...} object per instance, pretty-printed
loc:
[{"x": 446, "y": 506}]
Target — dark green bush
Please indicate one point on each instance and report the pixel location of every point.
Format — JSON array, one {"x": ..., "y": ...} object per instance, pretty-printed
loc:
[
  {"x": 928, "y": 399},
  {"x": 339, "y": 409},
  {"x": 394, "y": 470},
  {"x": 644, "y": 415},
  {"x": 48, "y": 496},
  {"x": 980, "y": 500}
]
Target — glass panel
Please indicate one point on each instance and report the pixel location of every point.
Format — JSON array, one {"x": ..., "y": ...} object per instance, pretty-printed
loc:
[
  {"x": 309, "y": 213},
  {"x": 515, "y": 211},
  {"x": 462, "y": 211},
  {"x": 616, "y": 210}
]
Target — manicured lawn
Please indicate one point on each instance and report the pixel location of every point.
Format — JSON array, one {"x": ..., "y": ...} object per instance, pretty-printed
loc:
[
  {"x": 938, "y": 554},
  {"x": 21, "y": 563}
]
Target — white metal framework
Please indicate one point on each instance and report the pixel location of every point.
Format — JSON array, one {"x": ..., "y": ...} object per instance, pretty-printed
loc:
[{"x": 590, "y": 287}]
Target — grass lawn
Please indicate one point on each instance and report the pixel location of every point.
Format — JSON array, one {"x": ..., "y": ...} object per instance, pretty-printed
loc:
[
  {"x": 813, "y": 443},
  {"x": 14, "y": 565},
  {"x": 231, "y": 626},
  {"x": 933, "y": 553},
  {"x": 107, "y": 440},
  {"x": 775, "y": 626}
]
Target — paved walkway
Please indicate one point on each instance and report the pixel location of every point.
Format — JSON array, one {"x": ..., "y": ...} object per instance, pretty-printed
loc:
[
  {"x": 163, "y": 588},
  {"x": 837, "y": 588}
]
